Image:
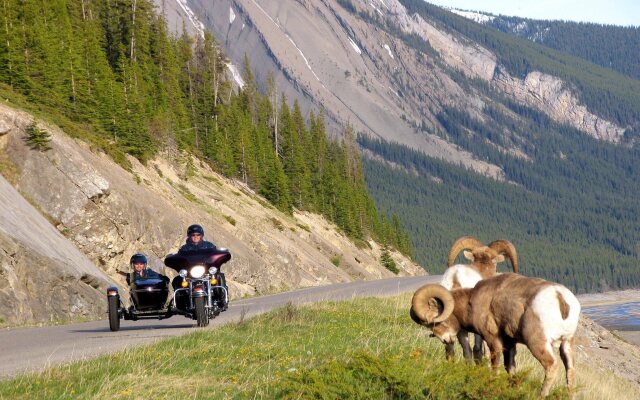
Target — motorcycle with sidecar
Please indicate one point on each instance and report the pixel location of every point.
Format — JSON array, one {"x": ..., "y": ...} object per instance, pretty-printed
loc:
[{"x": 200, "y": 291}]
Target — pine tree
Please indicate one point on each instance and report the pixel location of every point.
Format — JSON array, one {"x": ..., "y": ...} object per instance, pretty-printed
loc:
[
  {"x": 387, "y": 261},
  {"x": 37, "y": 138}
]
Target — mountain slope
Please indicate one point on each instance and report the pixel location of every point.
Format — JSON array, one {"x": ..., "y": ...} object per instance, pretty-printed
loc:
[
  {"x": 110, "y": 213},
  {"x": 609, "y": 46},
  {"x": 390, "y": 67}
]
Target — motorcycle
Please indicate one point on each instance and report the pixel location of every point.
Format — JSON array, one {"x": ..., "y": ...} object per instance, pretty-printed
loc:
[{"x": 200, "y": 291}]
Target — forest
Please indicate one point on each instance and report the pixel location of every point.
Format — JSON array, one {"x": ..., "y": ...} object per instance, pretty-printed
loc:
[
  {"x": 570, "y": 206},
  {"x": 107, "y": 71},
  {"x": 609, "y": 46}
]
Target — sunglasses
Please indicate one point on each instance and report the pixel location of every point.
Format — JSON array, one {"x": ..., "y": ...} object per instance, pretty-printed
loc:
[{"x": 196, "y": 234}]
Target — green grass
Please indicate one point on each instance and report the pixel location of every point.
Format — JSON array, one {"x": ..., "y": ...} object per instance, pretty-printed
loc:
[
  {"x": 230, "y": 219},
  {"x": 336, "y": 260},
  {"x": 362, "y": 349}
]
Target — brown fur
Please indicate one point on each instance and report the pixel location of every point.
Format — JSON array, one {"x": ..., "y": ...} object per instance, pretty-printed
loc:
[
  {"x": 484, "y": 260},
  {"x": 564, "y": 307},
  {"x": 499, "y": 309},
  {"x": 456, "y": 282}
]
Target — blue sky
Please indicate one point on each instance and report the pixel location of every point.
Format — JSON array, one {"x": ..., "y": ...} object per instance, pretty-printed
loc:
[{"x": 615, "y": 12}]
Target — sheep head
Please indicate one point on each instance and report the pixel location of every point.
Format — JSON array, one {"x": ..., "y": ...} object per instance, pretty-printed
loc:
[
  {"x": 479, "y": 254},
  {"x": 432, "y": 306}
]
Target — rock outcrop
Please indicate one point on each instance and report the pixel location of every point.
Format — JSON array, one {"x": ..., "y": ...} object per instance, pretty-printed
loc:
[
  {"x": 43, "y": 276},
  {"x": 544, "y": 92}
]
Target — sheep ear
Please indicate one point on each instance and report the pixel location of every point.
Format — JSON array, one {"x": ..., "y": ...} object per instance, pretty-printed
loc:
[
  {"x": 468, "y": 255},
  {"x": 499, "y": 258},
  {"x": 435, "y": 305}
]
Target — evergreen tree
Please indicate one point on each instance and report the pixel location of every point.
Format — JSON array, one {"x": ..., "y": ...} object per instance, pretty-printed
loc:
[
  {"x": 38, "y": 139},
  {"x": 387, "y": 261}
]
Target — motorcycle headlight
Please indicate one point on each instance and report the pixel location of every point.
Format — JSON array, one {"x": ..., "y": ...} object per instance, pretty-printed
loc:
[
  {"x": 197, "y": 271},
  {"x": 213, "y": 270},
  {"x": 183, "y": 273}
]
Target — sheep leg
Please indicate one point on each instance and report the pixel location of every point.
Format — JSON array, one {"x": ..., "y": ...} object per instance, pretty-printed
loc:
[
  {"x": 566, "y": 353},
  {"x": 463, "y": 338},
  {"x": 449, "y": 351},
  {"x": 495, "y": 348},
  {"x": 478, "y": 349},
  {"x": 544, "y": 354},
  {"x": 509, "y": 355}
]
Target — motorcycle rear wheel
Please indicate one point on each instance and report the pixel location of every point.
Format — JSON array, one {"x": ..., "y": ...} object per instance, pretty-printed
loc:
[
  {"x": 202, "y": 315},
  {"x": 114, "y": 317}
]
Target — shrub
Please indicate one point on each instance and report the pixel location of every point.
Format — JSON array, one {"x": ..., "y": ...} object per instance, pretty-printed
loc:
[
  {"x": 387, "y": 261},
  {"x": 335, "y": 260}
]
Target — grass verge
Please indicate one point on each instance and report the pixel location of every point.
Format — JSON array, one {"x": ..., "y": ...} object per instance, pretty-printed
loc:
[{"x": 362, "y": 349}]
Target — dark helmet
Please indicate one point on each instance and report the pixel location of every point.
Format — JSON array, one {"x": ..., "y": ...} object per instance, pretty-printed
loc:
[
  {"x": 138, "y": 258},
  {"x": 195, "y": 228}
]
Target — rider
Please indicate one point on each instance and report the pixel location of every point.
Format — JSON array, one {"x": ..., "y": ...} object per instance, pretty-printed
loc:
[
  {"x": 195, "y": 240},
  {"x": 138, "y": 263}
]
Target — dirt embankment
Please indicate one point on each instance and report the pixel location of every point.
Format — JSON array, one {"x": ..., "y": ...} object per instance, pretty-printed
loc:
[{"x": 612, "y": 351}]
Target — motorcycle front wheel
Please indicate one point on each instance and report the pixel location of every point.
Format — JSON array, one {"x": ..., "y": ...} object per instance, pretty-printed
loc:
[
  {"x": 201, "y": 312},
  {"x": 114, "y": 317}
]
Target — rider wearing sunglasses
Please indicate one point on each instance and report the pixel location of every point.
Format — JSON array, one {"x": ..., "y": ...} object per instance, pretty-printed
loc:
[{"x": 195, "y": 240}]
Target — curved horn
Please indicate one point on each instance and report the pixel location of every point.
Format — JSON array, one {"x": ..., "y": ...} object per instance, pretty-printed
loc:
[
  {"x": 507, "y": 248},
  {"x": 464, "y": 243},
  {"x": 424, "y": 309}
]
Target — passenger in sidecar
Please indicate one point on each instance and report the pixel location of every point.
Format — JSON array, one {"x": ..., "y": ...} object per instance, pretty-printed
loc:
[{"x": 149, "y": 289}]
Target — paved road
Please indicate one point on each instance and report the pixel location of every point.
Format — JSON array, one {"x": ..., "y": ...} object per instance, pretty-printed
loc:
[{"x": 34, "y": 349}]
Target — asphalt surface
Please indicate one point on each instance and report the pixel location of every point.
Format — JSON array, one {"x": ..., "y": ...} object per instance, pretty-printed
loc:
[{"x": 34, "y": 349}]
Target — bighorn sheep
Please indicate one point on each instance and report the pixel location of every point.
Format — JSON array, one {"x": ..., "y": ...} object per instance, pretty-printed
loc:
[
  {"x": 484, "y": 263},
  {"x": 506, "y": 309}
]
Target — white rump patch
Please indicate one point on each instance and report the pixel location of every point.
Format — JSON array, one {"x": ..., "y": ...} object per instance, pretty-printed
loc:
[
  {"x": 547, "y": 307},
  {"x": 467, "y": 277}
]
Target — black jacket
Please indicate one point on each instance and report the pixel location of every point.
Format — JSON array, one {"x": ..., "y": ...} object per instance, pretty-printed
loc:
[
  {"x": 190, "y": 246},
  {"x": 147, "y": 273}
]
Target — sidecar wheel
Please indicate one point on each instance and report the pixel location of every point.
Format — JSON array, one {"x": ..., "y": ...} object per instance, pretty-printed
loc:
[
  {"x": 114, "y": 317},
  {"x": 201, "y": 312}
]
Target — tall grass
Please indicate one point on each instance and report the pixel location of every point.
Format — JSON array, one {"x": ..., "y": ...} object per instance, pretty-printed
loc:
[{"x": 362, "y": 349}]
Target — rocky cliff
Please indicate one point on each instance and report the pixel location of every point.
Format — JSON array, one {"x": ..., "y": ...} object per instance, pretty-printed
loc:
[
  {"x": 43, "y": 276},
  {"x": 109, "y": 214}
]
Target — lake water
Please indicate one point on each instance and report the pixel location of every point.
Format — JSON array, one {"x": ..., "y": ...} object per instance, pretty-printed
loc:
[{"x": 622, "y": 317}]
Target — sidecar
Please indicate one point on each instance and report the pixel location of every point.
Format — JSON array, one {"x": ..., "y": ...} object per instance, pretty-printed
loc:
[{"x": 148, "y": 296}]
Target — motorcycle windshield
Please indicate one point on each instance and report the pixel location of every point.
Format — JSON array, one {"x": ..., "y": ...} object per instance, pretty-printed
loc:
[{"x": 210, "y": 257}]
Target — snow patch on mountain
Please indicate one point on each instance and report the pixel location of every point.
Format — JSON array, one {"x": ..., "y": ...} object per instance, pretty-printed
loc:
[
  {"x": 235, "y": 73},
  {"x": 355, "y": 46},
  {"x": 232, "y": 15},
  {"x": 291, "y": 40},
  {"x": 376, "y": 8},
  {"x": 473, "y": 15},
  {"x": 199, "y": 26},
  {"x": 386, "y": 46}
]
